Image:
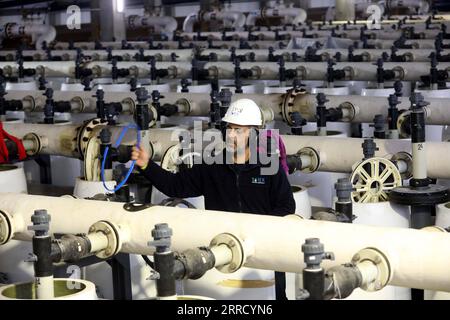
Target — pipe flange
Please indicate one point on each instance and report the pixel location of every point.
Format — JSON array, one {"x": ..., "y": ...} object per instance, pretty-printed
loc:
[
  {"x": 126, "y": 57},
  {"x": 302, "y": 72},
  {"x": 399, "y": 72},
  {"x": 40, "y": 70},
  {"x": 213, "y": 72},
  {"x": 373, "y": 178},
  {"x": 173, "y": 72},
  {"x": 237, "y": 251},
  {"x": 349, "y": 73},
  {"x": 5, "y": 227},
  {"x": 134, "y": 71},
  {"x": 84, "y": 134},
  {"x": 409, "y": 56},
  {"x": 77, "y": 105},
  {"x": 313, "y": 155},
  {"x": 287, "y": 104},
  {"x": 325, "y": 56},
  {"x": 351, "y": 111},
  {"x": 267, "y": 115},
  {"x": 256, "y": 72},
  {"x": 111, "y": 231},
  {"x": 96, "y": 71},
  {"x": 434, "y": 229},
  {"x": 286, "y": 56},
  {"x": 407, "y": 158},
  {"x": 366, "y": 56},
  {"x": 169, "y": 159},
  {"x": 401, "y": 123},
  {"x": 186, "y": 106},
  {"x": 158, "y": 57},
  {"x": 37, "y": 144},
  {"x": 30, "y": 104},
  {"x": 155, "y": 116},
  {"x": 375, "y": 256},
  {"x": 131, "y": 105},
  {"x": 37, "y": 57},
  {"x": 8, "y": 70}
]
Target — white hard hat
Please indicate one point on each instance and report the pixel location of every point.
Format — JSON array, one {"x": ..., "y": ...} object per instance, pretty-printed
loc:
[{"x": 244, "y": 112}]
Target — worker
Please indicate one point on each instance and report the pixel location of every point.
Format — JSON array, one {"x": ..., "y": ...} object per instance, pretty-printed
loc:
[{"x": 238, "y": 186}]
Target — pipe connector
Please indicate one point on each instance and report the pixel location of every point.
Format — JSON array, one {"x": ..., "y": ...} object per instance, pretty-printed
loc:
[
  {"x": 237, "y": 248},
  {"x": 310, "y": 159},
  {"x": 369, "y": 260},
  {"x": 114, "y": 235},
  {"x": 5, "y": 227}
]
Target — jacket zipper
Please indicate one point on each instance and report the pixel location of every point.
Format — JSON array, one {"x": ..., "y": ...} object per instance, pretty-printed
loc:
[{"x": 238, "y": 192}]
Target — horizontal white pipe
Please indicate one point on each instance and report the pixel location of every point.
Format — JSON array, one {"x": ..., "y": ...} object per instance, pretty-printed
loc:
[
  {"x": 370, "y": 54},
  {"x": 99, "y": 68},
  {"x": 165, "y": 24},
  {"x": 127, "y": 55},
  {"x": 38, "y": 32},
  {"x": 199, "y": 104},
  {"x": 333, "y": 158},
  {"x": 236, "y": 18},
  {"x": 411, "y": 253},
  {"x": 361, "y": 71},
  {"x": 61, "y": 142}
]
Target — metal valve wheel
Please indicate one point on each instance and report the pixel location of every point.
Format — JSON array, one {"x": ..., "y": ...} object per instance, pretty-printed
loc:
[{"x": 373, "y": 178}]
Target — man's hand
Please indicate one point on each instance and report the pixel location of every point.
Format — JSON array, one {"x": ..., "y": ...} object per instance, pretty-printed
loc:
[{"x": 141, "y": 157}]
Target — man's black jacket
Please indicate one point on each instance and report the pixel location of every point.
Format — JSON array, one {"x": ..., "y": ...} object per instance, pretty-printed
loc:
[{"x": 235, "y": 188}]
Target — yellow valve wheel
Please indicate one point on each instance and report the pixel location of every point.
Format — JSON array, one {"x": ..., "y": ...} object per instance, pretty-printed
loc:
[{"x": 373, "y": 178}]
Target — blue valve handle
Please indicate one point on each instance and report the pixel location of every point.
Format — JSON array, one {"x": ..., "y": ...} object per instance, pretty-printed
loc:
[{"x": 105, "y": 153}]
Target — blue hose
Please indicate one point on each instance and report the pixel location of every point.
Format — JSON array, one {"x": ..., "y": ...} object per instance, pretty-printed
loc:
[{"x": 105, "y": 153}]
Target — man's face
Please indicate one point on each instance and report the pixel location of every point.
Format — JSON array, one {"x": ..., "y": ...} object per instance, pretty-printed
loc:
[{"x": 237, "y": 137}]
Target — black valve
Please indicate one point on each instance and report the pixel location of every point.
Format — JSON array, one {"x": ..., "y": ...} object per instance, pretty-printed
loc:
[
  {"x": 100, "y": 104},
  {"x": 49, "y": 112},
  {"x": 369, "y": 147},
  {"x": 133, "y": 84},
  {"x": 243, "y": 44},
  {"x": 297, "y": 123},
  {"x": 86, "y": 82},
  {"x": 311, "y": 56},
  {"x": 214, "y": 112},
  {"x": 332, "y": 74},
  {"x": 98, "y": 45},
  {"x": 351, "y": 57},
  {"x": 321, "y": 110},
  {"x": 393, "y": 111},
  {"x": 398, "y": 87},
  {"x": 142, "y": 115},
  {"x": 42, "y": 82},
  {"x": 156, "y": 73},
  {"x": 383, "y": 74},
  {"x": 379, "y": 126},
  {"x": 173, "y": 57},
  {"x": 198, "y": 73},
  {"x": 126, "y": 45},
  {"x": 185, "y": 85}
]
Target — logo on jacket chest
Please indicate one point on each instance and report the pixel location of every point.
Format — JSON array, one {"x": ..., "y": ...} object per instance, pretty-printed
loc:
[{"x": 258, "y": 180}]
